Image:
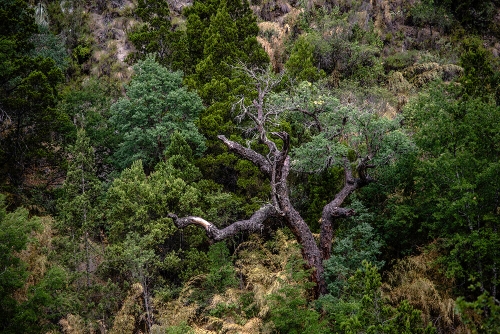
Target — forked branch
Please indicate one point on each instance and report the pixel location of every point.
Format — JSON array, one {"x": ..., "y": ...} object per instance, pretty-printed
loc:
[
  {"x": 258, "y": 159},
  {"x": 333, "y": 210}
]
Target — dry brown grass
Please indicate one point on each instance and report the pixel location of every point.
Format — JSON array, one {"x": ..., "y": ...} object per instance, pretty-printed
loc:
[
  {"x": 112, "y": 46},
  {"x": 73, "y": 324},
  {"x": 264, "y": 269},
  {"x": 35, "y": 257},
  {"x": 419, "y": 280},
  {"x": 274, "y": 32},
  {"x": 180, "y": 310},
  {"x": 272, "y": 37},
  {"x": 421, "y": 74},
  {"x": 125, "y": 319}
]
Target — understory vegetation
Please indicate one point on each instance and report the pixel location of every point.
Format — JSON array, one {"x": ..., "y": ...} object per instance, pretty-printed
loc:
[{"x": 262, "y": 166}]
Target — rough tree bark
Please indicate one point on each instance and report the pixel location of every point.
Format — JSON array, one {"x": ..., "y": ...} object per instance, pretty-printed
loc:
[{"x": 276, "y": 166}]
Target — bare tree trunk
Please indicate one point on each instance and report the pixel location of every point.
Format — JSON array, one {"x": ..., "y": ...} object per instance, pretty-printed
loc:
[
  {"x": 147, "y": 306},
  {"x": 310, "y": 250}
]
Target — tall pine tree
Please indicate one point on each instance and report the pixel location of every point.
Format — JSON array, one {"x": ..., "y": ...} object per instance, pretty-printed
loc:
[
  {"x": 31, "y": 128},
  {"x": 157, "y": 35},
  {"x": 78, "y": 210},
  {"x": 220, "y": 35},
  {"x": 81, "y": 187}
]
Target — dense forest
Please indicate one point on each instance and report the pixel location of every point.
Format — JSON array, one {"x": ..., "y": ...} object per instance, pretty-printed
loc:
[{"x": 261, "y": 166}]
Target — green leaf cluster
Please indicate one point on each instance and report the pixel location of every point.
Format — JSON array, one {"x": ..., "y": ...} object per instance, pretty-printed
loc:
[
  {"x": 157, "y": 36},
  {"x": 28, "y": 96},
  {"x": 156, "y": 106},
  {"x": 362, "y": 308}
]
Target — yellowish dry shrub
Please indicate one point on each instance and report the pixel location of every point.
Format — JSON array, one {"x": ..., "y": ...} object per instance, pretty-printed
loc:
[
  {"x": 421, "y": 68},
  {"x": 397, "y": 83},
  {"x": 180, "y": 310},
  {"x": 387, "y": 12},
  {"x": 264, "y": 269},
  {"x": 389, "y": 111},
  {"x": 427, "y": 77},
  {"x": 402, "y": 101},
  {"x": 419, "y": 280},
  {"x": 126, "y": 318},
  {"x": 73, "y": 324},
  {"x": 451, "y": 71},
  {"x": 35, "y": 256},
  {"x": 421, "y": 74},
  {"x": 379, "y": 24}
]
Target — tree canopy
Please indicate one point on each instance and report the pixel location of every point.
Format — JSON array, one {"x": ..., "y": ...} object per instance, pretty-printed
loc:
[{"x": 156, "y": 105}]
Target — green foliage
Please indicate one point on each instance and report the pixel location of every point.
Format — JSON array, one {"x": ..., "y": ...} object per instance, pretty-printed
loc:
[
  {"x": 458, "y": 136},
  {"x": 82, "y": 53},
  {"x": 476, "y": 15},
  {"x": 140, "y": 234},
  {"x": 481, "y": 315},
  {"x": 220, "y": 36},
  {"x": 139, "y": 230},
  {"x": 50, "y": 46},
  {"x": 180, "y": 329},
  {"x": 81, "y": 189},
  {"x": 221, "y": 273},
  {"x": 346, "y": 131},
  {"x": 88, "y": 106},
  {"x": 441, "y": 184},
  {"x": 361, "y": 308},
  {"x": 427, "y": 12},
  {"x": 15, "y": 230},
  {"x": 138, "y": 203},
  {"x": 43, "y": 300},
  {"x": 343, "y": 48},
  {"x": 70, "y": 19},
  {"x": 219, "y": 33},
  {"x": 290, "y": 311},
  {"x": 28, "y": 95},
  {"x": 311, "y": 192},
  {"x": 356, "y": 242},
  {"x": 156, "y": 106},
  {"x": 44, "y": 303},
  {"x": 300, "y": 65},
  {"x": 18, "y": 25},
  {"x": 195, "y": 263},
  {"x": 228, "y": 37},
  {"x": 157, "y": 36},
  {"x": 481, "y": 77}
]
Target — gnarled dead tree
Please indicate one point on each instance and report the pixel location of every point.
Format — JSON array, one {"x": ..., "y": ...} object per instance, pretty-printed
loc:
[{"x": 276, "y": 166}]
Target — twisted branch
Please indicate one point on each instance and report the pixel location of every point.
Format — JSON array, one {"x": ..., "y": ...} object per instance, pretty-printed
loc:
[{"x": 254, "y": 224}]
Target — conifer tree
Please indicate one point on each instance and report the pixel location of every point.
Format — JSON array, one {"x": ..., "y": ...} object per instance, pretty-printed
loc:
[
  {"x": 222, "y": 34},
  {"x": 300, "y": 64},
  {"x": 28, "y": 95},
  {"x": 157, "y": 35},
  {"x": 78, "y": 209},
  {"x": 156, "y": 106},
  {"x": 15, "y": 228},
  {"x": 217, "y": 43},
  {"x": 81, "y": 187},
  {"x": 207, "y": 18}
]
